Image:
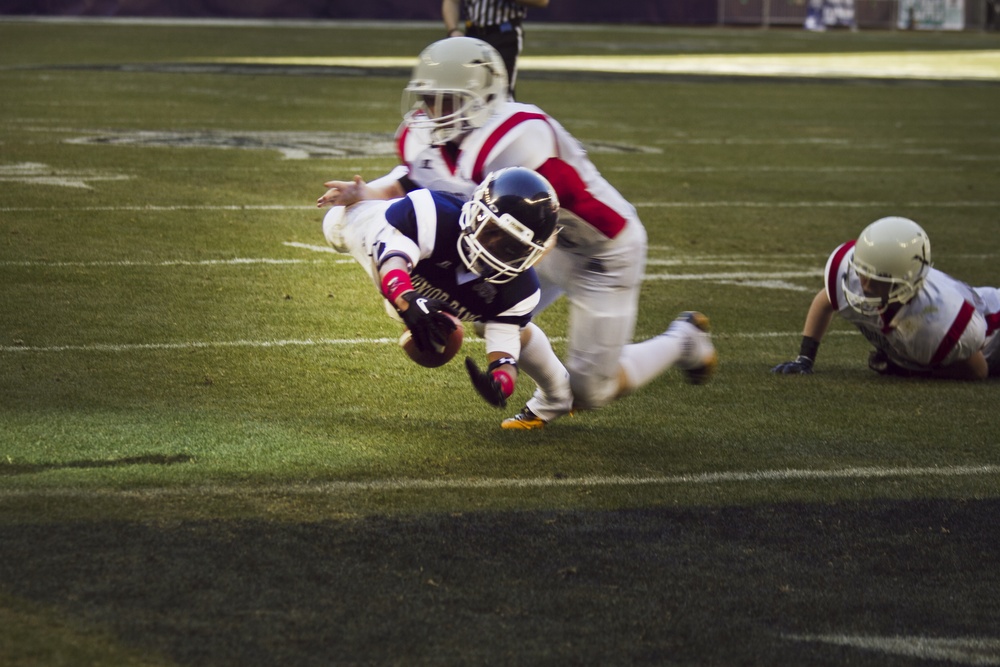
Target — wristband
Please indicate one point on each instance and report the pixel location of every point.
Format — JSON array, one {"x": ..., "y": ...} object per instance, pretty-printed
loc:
[
  {"x": 505, "y": 381},
  {"x": 502, "y": 361},
  {"x": 809, "y": 348},
  {"x": 395, "y": 283}
]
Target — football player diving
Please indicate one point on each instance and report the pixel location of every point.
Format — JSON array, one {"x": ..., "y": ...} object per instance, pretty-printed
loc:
[
  {"x": 460, "y": 124},
  {"x": 921, "y": 321},
  {"x": 431, "y": 253}
]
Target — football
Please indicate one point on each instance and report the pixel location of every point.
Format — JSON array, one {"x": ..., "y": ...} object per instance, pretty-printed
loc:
[{"x": 431, "y": 359}]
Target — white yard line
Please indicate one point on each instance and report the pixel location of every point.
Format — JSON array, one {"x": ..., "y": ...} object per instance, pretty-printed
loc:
[
  {"x": 660, "y": 204},
  {"x": 820, "y": 204},
  {"x": 303, "y": 342},
  {"x": 236, "y": 261},
  {"x": 195, "y": 345},
  {"x": 692, "y": 479},
  {"x": 155, "y": 208},
  {"x": 958, "y": 650}
]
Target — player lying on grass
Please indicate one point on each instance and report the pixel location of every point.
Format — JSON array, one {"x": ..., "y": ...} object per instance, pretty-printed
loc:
[
  {"x": 431, "y": 253},
  {"x": 459, "y": 124},
  {"x": 921, "y": 321}
]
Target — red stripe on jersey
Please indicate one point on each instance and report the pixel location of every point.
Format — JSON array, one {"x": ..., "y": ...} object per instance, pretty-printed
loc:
[
  {"x": 574, "y": 196},
  {"x": 951, "y": 338},
  {"x": 449, "y": 153},
  {"x": 496, "y": 136},
  {"x": 570, "y": 188},
  {"x": 834, "y": 272},
  {"x": 450, "y": 159},
  {"x": 401, "y": 143},
  {"x": 992, "y": 323}
]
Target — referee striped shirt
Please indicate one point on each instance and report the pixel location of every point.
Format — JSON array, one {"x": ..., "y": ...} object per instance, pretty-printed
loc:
[{"x": 493, "y": 12}]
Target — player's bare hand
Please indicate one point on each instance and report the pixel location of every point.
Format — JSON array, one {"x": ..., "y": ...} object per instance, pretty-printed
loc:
[{"x": 343, "y": 193}]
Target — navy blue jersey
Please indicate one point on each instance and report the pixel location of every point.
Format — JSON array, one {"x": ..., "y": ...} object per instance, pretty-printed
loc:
[{"x": 439, "y": 272}]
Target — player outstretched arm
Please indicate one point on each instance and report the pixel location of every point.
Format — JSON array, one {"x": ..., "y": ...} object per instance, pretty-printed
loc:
[
  {"x": 345, "y": 193},
  {"x": 817, "y": 322}
]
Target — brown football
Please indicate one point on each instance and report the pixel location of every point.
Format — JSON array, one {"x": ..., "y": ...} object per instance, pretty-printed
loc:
[{"x": 432, "y": 359}]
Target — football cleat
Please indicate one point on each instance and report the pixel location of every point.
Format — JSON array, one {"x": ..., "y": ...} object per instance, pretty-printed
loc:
[
  {"x": 525, "y": 420},
  {"x": 704, "y": 358}
]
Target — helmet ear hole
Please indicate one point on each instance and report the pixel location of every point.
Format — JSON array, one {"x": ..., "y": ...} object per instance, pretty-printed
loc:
[
  {"x": 895, "y": 251},
  {"x": 471, "y": 71},
  {"x": 506, "y": 226}
]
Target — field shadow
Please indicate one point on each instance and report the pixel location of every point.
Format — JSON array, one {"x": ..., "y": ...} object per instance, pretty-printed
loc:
[{"x": 725, "y": 586}]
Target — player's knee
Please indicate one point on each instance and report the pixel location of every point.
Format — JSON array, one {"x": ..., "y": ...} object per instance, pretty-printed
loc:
[{"x": 333, "y": 228}]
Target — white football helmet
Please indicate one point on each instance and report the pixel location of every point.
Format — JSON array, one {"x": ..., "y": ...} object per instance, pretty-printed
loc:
[
  {"x": 508, "y": 225},
  {"x": 895, "y": 252},
  {"x": 455, "y": 87}
]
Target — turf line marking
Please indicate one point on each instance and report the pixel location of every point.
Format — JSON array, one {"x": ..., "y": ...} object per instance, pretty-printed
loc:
[
  {"x": 694, "y": 479},
  {"x": 794, "y": 170},
  {"x": 311, "y": 342},
  {"x": 314, "y": 248},
  {"x": 819, "y": 204},
  {"x": 939, "y": 65},
  {"x": 741, "y": 275},
  {"x": 168, "y": 209},
  {"x": 237, "y": 261},
  {"x": 712, "y": 204},
  {"x": 139, "y": 347},
  {"x": 962, "y": 650}
]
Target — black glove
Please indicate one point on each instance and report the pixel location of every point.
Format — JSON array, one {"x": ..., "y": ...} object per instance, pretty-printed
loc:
[
  {"x": 879, "y": 362},
  {"x": 426, "y": 320},
  {"x": 487, "y": 386},
  {"x": 802, "y": 365}
]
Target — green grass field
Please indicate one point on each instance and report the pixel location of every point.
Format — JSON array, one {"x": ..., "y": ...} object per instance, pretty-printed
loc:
[{"x": 212, "y": 451}]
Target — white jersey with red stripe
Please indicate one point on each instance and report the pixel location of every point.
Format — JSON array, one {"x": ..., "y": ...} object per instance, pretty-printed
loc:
[
  {"x": 947, "y": 321},
  {"x": 522, "y": 135},
  {"x": 600, "y": 255}
]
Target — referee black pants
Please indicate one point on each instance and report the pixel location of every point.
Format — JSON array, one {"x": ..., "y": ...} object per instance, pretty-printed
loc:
[{"x": 508, "y": 45}]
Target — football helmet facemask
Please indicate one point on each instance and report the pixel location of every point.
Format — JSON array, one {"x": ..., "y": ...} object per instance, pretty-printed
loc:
[
  {"x": 508, "y": 225},
  {"x": 455, "y": 87},
  {"x": 892, "y": 257}
]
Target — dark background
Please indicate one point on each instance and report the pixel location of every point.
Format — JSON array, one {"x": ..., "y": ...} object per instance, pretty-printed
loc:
[{"x": 576, "y": 11}]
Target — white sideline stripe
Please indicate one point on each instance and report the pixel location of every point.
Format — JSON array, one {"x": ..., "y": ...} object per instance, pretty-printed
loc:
[
  {"x": 975, "y": 65},
  {"x": 679, "y": 204},
  {"x": 731, "y": 477}
]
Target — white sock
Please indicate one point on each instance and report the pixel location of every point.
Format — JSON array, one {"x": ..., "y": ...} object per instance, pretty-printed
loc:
[
  {"x": 644, "y": 362},
  {"x": 539, "y": 361}
]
